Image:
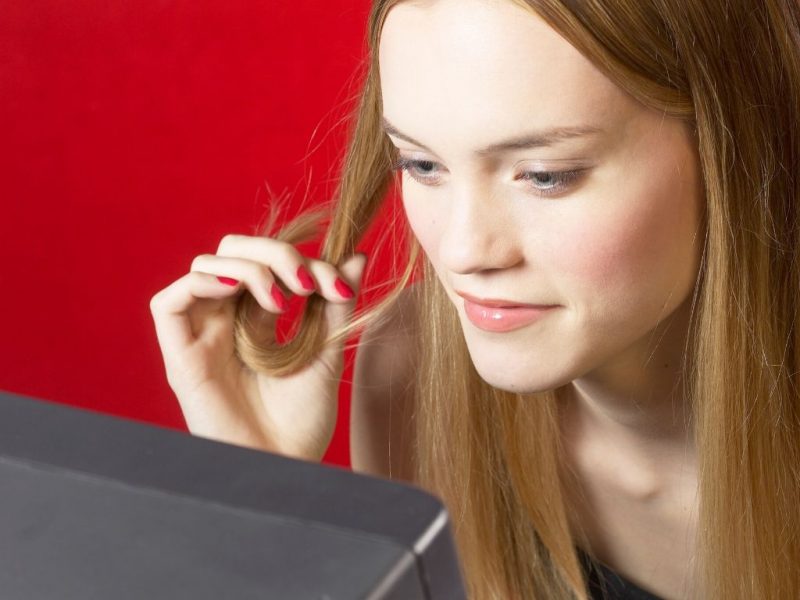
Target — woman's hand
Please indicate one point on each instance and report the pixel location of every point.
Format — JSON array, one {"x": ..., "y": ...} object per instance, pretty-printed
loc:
[{"x": 220, "y": 397}]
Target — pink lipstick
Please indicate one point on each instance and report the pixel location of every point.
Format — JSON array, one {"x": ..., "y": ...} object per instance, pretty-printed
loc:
[{"x": 498, "y": 315}]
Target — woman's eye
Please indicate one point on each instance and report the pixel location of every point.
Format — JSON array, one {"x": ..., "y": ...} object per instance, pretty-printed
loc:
[
  {"x": 544, "y": 183},
  {"x": 550, "y": 182},
  {"x": 421, "y": 170}
]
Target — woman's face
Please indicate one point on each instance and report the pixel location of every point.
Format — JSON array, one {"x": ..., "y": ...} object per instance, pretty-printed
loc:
[{"x": 608, "y": 230}]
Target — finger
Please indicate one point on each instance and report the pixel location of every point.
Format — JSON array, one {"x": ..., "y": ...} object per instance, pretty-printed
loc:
[
  {"x": 337, "y": 314},
  {"x": 170, "y": 307},
  {"x": 281, "y": 258},
  {"x": 332, "y": 283},
  {"x": 256, "y": 277}
]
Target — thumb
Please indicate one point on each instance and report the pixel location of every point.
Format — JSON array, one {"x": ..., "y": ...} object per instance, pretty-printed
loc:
[{"x": 352, "y": 270}]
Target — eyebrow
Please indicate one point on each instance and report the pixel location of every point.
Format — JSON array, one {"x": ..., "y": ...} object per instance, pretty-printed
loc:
[{"x": 534, "y": 139}]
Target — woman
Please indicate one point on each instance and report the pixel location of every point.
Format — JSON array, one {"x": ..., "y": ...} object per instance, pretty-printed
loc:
[{"x": 621, "y": 176}]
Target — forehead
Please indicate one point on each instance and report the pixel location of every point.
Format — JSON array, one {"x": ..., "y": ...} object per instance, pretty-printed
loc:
[{"x": 486, "y": 65}]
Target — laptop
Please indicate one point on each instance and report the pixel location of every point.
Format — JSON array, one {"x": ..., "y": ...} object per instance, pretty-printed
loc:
[{"x": 100, "y": 507}]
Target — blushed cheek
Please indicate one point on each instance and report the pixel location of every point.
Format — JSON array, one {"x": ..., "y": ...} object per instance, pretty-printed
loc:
[
  {"x": 635, "y": 254},
  {"x": 602, "y": 252}
]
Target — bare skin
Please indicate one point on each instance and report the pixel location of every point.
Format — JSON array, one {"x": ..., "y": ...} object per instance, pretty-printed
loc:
[
  {"x": 636, "y": 494},
  {"x": 636, "y": 490},
  {"x": 639, "y": 525}
]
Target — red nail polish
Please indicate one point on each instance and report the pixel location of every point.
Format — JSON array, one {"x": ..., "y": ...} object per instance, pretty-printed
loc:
[
  {"x": 278, "y": 296},
  {"x": 228, "y": 280},
  {"x": 305, "y": 278},
  {"x": 343, "y": 288}
]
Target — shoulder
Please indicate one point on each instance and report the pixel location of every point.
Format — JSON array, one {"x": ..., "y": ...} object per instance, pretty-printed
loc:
[
  {"x": 385, "y": 353},
  {"x": 382, "y": 394}
]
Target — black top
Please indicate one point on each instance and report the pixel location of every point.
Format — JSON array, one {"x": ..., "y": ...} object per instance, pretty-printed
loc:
[{"x": 605, "y": 584}]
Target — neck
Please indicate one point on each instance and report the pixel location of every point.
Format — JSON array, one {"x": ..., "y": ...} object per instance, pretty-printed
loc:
[{"x": 633, "y": 412}]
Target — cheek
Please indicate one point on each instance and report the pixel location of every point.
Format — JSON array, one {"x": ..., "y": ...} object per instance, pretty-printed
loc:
[
  {"x": 424, "y": 220},
  {"x": 637, "y": 251},
  {"x": 604, "y": 251}
]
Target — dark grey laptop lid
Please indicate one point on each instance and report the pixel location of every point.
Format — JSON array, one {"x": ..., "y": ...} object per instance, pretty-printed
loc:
[{"x": 95, "y": 506}]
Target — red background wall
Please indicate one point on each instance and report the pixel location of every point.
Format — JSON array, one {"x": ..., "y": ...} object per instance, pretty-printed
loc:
[{"x": 135, "y": 136}]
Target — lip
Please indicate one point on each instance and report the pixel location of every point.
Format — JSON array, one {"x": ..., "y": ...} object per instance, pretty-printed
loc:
[{"x": 498, "y": 315}]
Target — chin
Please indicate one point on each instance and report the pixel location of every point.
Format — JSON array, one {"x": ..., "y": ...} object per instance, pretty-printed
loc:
[{"x": 518, "y": 379}]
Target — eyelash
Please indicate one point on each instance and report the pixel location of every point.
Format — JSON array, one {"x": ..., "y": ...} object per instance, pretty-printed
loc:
[{"x": 562, "y": 178}]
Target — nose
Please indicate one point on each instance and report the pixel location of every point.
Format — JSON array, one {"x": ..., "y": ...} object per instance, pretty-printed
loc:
[{"x": 479, "y": 233}]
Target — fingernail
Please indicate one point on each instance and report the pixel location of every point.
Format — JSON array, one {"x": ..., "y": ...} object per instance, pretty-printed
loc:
[
  {"x": 343, "y": 288},
  {"x": 305, "y": 278},
  {"x": 228, "y": 280},
  {"x": 278, "y": 296}
]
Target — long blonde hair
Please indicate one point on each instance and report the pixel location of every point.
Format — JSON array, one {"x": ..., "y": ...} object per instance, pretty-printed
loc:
[{"x": 731, "y": 70}]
